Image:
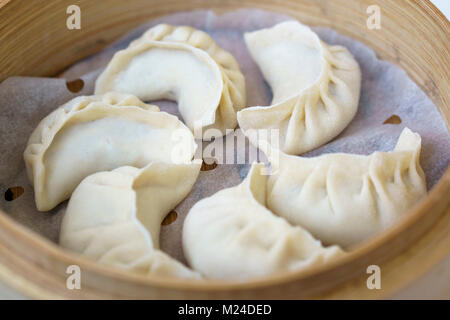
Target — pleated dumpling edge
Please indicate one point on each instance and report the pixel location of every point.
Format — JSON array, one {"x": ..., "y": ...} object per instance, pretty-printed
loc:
[
  {"x": 232, "y": 235},
  {"x": 88, "y": 134},
  {"x": 315, "y": 88},
  {"x": 192, "y": 69},
  {"x": 114, "y": 217},
  {"x": 343, "y": 198}
]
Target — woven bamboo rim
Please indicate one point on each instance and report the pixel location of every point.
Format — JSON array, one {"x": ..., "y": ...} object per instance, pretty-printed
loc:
[{"x": 414, "y": 35}]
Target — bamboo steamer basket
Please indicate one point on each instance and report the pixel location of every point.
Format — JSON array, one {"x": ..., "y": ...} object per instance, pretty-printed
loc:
[{"x": 34, "y": 41}]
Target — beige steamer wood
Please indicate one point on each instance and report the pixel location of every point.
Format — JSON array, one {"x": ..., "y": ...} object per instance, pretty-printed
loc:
[{"x": 414, "y": 35}]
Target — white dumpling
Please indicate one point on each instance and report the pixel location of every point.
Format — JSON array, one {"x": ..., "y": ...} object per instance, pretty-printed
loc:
[
  {"x": 234, "y": 94},
  {"x": 114, "y": 217},
  {"x": 346, "y": 198},
  {"x": 183, "y": 64},
  {"x": 231, "y": 235},
  {"x": 88, "y": 135},
  {"x": 315, "y": 88}
]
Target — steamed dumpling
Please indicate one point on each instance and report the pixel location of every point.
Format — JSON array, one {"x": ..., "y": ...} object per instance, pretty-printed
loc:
[
  {"x": 315, "y": 88},
  {"x": 183, "y": 64},
  {"x": 233, "y": 95},
  {"x": 346, "y": 198},
  {"x": 88, "y": 135},
  {"x": 231, "y": 235},
  {"x": 114, "y": 217}
]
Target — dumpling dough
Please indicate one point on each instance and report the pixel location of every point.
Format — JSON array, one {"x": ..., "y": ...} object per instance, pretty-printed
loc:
[
  {"x": 233, "y": 95},
  {"x": 112, "y": 98},
  {"x": 183, "y": 64},
  {"x": 88, "y": 135},
  {"x": 315, "y": 88},
  {"x": 231, "y": 235},
  {"x": 115, "y": 217},
  {"x": 346, "y": 198}
]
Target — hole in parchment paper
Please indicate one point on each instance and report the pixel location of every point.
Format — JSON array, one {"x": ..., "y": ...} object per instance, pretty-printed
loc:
[
  {"x": 208, "y": 164},
  {"x": 394, "y": 119},
  {"x": 75, "y": 86},
  {"x": 170, "y": 218},
  {"x": 13, "y": 193}
]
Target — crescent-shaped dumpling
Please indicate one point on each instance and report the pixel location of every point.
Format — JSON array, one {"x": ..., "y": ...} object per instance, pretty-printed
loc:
[
  {"x": 88, "y": 135},
  {"x": 183, "y": 64},
  {"x": 346, "y": 198},
  {"x": 315, "y": 88},
  {"x": 114, "y": 217},
  {"x": 231, "y": 235},
  {"x": 233, "y": 94}
]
